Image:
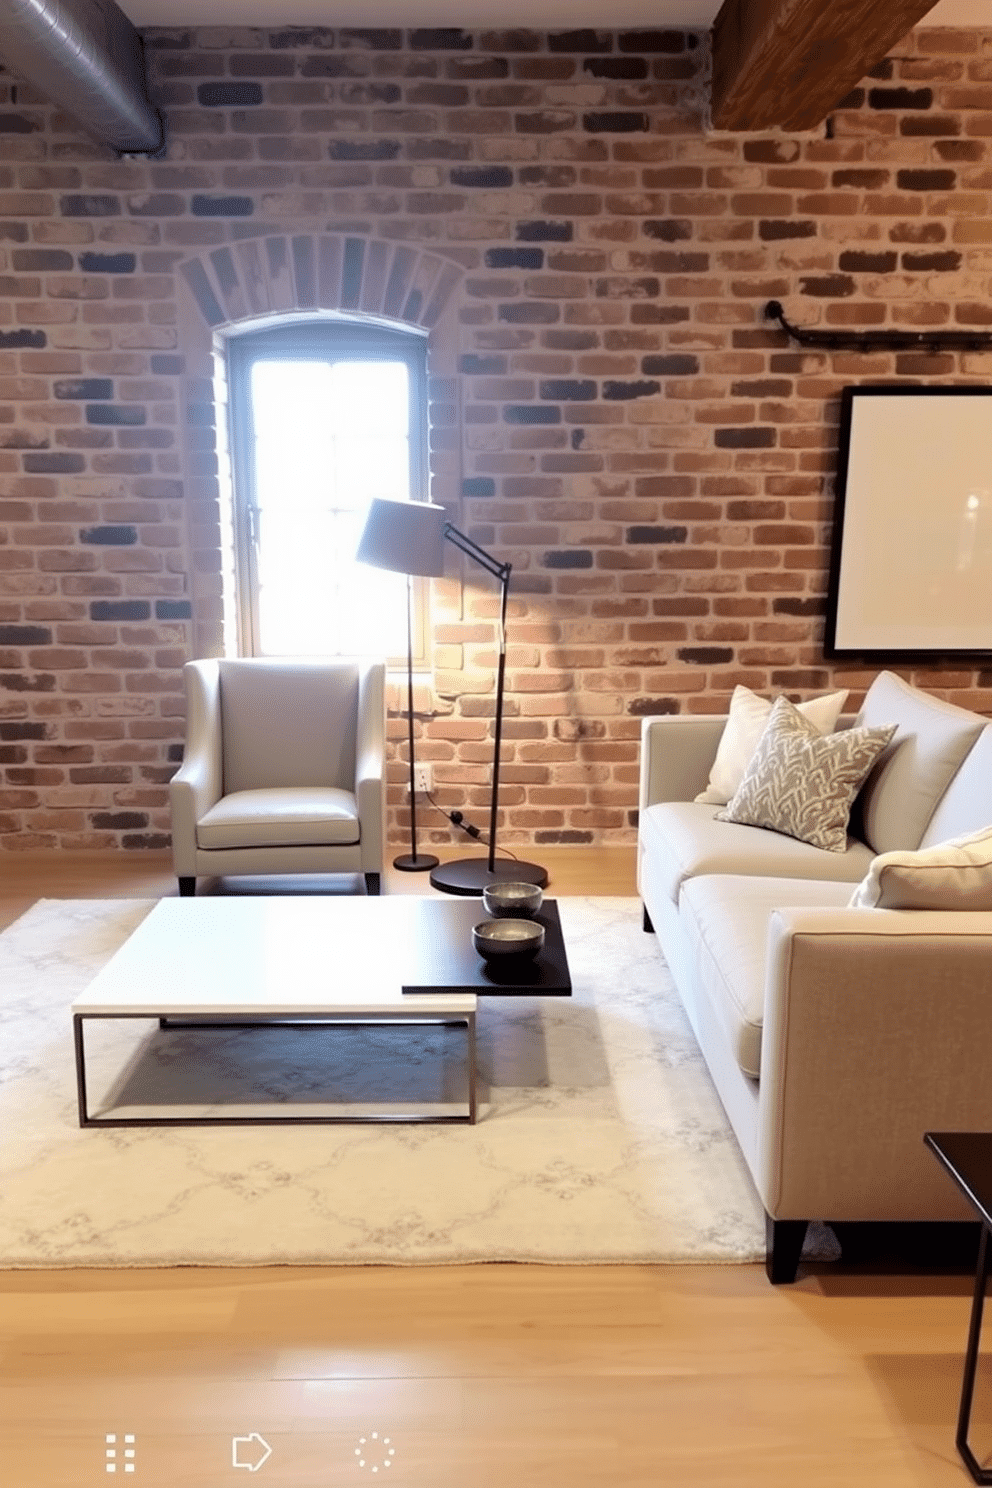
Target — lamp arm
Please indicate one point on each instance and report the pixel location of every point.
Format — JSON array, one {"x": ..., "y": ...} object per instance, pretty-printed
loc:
[{"x": 473, "y": 550}]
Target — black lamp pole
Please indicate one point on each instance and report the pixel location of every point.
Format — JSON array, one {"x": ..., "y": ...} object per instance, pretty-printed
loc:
[
  {"x": 412, "y": 862},
  {"x": 470, "y": 875}
]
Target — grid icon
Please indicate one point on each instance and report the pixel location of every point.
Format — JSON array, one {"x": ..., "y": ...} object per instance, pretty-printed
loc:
[{"x": 123, "y": 1460}]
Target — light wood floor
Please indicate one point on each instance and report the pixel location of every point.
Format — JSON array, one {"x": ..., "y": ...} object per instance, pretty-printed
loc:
[{"x": 530, "y": 1376}]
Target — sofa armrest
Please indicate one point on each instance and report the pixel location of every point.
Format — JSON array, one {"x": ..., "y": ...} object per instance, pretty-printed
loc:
[
  {"x": 677, "y": 754},
  {"x": 198, "y": 783},
  {"x": 370, "y": 764},
  {"x": 877, "y": 1028}
]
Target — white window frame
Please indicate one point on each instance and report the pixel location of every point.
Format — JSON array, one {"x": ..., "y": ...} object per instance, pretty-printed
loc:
[{"x": 318, "y": 338}]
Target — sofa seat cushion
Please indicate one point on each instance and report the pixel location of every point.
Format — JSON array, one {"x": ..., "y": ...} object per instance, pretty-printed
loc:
[
  {"x": 281, "y": 816},
  {"x": 724, "y": 918},
  {"x": 685, "y": 841}
]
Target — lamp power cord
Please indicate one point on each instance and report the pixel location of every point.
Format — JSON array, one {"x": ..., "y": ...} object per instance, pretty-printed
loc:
[{"x": 457, "y": 819}]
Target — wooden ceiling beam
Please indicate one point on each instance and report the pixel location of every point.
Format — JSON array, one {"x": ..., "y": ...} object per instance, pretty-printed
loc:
[{"x": 787, "y": 63}]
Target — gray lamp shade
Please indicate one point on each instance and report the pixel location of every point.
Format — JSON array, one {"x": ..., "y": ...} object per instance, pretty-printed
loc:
[{"x": 406, "y": 536}]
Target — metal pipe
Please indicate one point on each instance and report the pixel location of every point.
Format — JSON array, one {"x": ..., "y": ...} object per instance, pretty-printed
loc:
[{"x": 85, "y": 56}]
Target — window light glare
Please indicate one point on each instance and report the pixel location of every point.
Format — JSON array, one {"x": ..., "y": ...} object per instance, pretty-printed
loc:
[{"x": 329, "y": 437}]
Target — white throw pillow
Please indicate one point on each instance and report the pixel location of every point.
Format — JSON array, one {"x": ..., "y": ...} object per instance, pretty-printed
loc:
[
  {"x": 952, "y": 875},
  {"x": 801, "y": 782},
  {"x": 745, "y": 725}
]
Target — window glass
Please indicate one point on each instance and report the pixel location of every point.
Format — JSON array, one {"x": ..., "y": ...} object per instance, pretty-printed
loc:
[{"x": 322, "y": 424}]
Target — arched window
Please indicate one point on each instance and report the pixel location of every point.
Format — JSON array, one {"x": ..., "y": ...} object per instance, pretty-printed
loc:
[{"x": 325, "y": 414}]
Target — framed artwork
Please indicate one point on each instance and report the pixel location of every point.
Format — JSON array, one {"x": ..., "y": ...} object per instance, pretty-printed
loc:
[{"x": 911, "y": 557}]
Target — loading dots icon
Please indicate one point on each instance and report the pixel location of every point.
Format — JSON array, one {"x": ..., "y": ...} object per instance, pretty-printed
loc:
[
  {"x": 112, "y": 1459},
  {"x": 375, "y": 1447}
]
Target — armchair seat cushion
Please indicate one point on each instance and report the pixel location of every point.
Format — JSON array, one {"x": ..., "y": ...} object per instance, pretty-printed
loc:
[{"x": 281, "y": 816}]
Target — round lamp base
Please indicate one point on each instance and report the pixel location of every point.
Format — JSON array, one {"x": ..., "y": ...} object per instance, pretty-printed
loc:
[
  {"x": 407, "y": 863},
  {"x": 471, "y": 875}
]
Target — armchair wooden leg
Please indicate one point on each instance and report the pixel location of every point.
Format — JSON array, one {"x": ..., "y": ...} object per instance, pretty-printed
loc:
[
  {"x": 783, "y": 1248},
  {"x": 187, "y": 888},
  {"x": 373, "y": 883}
]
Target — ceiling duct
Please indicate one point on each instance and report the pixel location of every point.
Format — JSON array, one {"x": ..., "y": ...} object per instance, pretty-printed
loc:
[{"x": 87, "y": 58}]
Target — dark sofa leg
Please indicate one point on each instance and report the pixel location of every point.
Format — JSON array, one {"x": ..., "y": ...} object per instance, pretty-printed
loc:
[
  {"x": 373, "y": 883},
  {"x": 187, "y": 888},
  {"x": 783, "y": 1247},
  {"x": 646, "y": 924}
]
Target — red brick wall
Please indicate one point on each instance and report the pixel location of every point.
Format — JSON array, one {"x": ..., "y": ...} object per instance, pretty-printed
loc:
[{"x": 611, "y": 411}]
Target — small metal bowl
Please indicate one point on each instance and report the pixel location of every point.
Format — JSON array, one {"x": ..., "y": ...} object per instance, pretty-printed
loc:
[
  {"x": 507, "y": 937},
  {"x": 512, "y": 898}
]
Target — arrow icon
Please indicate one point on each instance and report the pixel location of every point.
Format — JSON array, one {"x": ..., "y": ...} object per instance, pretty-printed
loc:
[{"x": 249, "y": 1457}]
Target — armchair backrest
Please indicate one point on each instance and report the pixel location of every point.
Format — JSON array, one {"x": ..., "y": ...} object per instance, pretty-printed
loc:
[{"x": 288, "y": 722}]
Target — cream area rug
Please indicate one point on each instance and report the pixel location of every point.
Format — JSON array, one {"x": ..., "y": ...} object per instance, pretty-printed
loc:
[{"x": 600, "y": 1137}]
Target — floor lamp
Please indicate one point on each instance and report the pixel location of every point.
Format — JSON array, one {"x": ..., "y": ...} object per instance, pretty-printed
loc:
[
  {"x": 397, "y": 537},
  {"x": 412, "y": 535}
]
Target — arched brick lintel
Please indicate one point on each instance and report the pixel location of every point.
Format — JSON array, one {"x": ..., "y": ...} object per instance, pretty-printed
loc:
[
  {"x": 300, "y": 274},
  {"x": 294, "y": 273}
]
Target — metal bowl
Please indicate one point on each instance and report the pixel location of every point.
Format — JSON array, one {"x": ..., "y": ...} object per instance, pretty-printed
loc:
[
  {"x": 507, "y": 937},
  {"x": 512, "y": 898}
]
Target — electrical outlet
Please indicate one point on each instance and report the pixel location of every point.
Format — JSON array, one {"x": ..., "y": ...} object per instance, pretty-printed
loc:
[{"x": 422, "y": 778}]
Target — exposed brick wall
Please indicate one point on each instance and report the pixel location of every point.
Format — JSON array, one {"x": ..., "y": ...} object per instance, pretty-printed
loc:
[{"x": 610, "y": 409}]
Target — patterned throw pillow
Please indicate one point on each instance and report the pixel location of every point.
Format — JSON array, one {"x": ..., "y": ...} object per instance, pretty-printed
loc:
[{"x": 803, "y": 783}]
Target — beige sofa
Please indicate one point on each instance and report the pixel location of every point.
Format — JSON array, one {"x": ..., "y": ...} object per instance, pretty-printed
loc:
[{"x": 835, "y": 1036}]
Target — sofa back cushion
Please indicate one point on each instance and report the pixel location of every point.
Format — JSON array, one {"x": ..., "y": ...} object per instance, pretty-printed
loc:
[
  {"x": 966, "y": 805},
  {"x": 932, "y": 739}
]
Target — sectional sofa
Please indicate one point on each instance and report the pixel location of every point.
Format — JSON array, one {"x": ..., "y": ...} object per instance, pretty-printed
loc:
[{"x": 836, "y": 1033}]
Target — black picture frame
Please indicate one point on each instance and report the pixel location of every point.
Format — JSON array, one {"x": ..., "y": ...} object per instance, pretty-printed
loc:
[{"x": 911, "y": 551}]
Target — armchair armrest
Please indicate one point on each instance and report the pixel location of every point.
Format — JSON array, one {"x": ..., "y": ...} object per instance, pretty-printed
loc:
[
  {"x": 877, "y": 1027},
  {"x": 370, "y": 764},
  {"x": 198, "y": 783}
]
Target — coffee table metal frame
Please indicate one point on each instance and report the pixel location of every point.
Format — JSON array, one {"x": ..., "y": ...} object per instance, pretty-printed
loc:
[
  {"x": 398, "y": 1019},
  {"x": 956, "y": 1151},
  {"x": 219, "y": 963}
]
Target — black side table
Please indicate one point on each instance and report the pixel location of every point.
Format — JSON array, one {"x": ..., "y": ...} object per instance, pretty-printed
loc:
[{"x": 967, "y": 1157}]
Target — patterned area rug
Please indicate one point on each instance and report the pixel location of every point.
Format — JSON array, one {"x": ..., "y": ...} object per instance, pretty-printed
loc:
[{"x": 600, "y": 1137}]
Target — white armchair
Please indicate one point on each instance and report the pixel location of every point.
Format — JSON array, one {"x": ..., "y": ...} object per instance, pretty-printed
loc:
[{"x": 283, "y": 771}]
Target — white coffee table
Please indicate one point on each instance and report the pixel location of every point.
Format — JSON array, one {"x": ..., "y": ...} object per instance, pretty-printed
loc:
[{"x": 230, "y": 962}]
